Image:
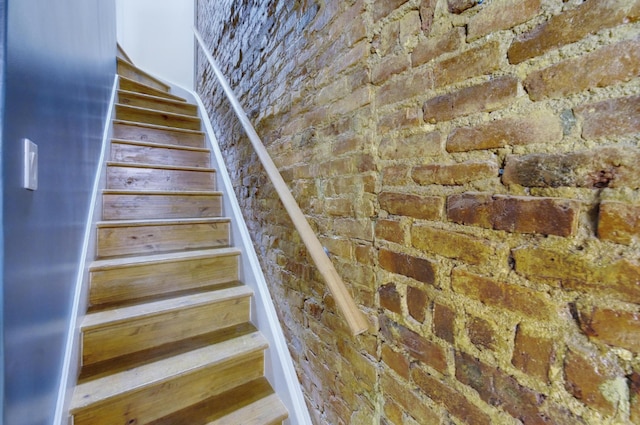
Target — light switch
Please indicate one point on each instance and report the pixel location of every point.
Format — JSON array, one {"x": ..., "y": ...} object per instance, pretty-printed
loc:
[{"x": 30, "y": 178}]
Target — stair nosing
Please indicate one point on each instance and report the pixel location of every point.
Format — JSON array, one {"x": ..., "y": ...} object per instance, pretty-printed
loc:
[
  {"x": 161, "y": 221},
  {"x": 159, "y": 127},
  {"x": 160, "y": 145},
  {"x": 157, "y": 98},
  {"x": 159, "y": 166},
  {"x": 145, "y": 74},
  {"x": 167, "y": 93},
  {"x": 134, "y": 379},
  {"x": 162, "y": 192},
  {"x": 115, "y": 316},
  {"x": 270, "y": 399},
  {"x": 183, "y": 117},
  {"x": 114, "y": 263}
]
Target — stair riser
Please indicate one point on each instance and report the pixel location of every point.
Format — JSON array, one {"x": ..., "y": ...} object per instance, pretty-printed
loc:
[
  {"x": 134, "y": 86},
  {"x": 140, "y": 281},
  {"x": 149, "y": 116},
  {"x": 122, "y": 152},
  {"x": 148, "y": 404},
  {"x": 113, "y": 241},
  {"x": 129, "y": 71},
  {"x": 154, "y": 135},
  {"x": 160, "y": 104},
  {"x": 133, "y": 178},
  {"x": 114, "y": 340},
  {"x": 143, "y": 206}
]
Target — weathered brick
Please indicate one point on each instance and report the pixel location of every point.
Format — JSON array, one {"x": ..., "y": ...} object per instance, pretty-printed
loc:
[
  {"x": 481, "y": 333},
  {"x": 404, "y": 87},
  {"x": 416, "y": 268},
  {"x": 515, "y": 298},
  {"x": 485, "y": 97},
  {"x": 382, "y": 8},
  {"x": 612, "y": 117},
  {"x": 532, "y": 355},
  {"x": 430, "y": 48},
  {"x": 396, "y": 175},
  {"x": 481, "y": 60},
  {"x": 391, "y": 230},
  {"x": 570, "y": 271},
  {"x": 423, "y": 207},
  {"x": 602, "y": 167},
  {"x": 354, "y": 228},
  {"x": 499, "y": 389},
  {"x": 454, "y": 174},
  {"x": 449, "y": 244},
  {"x": 634, "y": 389},
  {"x": 388, "y": 66},
  {"x": 619, "y": 222},
  {"x": 398, "y": 119},
  {"x": 408, "y": 400},
  {"x": 443, "y": 322},
  {"x": 520, "y": 214},
  {"x": 616, "y": 328},
  {"x": 538, "y": 127},
  {"x": 418, "y": 347},
  {"x": 417, "y": 302},
  {"x": 427, "y": 12},
  {"x": 584, "y": 379},
  {"x": 390, "y": 298},
  {"x": 459, "y": 6},
  {"x": 415, "y": 146},
  {"x": 604, "y": 67},
  {"x": 396, "y": 361},
  {"x": 572, "y": 25},
  {"x": 444, "y": 393},
  {"x": 501, "y": 15}
]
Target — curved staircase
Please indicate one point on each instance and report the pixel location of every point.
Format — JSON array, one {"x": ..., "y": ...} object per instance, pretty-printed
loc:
[{"x": 167, "y": 338}]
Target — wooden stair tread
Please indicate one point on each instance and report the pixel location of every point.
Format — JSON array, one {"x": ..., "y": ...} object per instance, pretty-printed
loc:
[
  {"x": 124, "y": 65},
  {"x": 159, "y": 127},
  {"x": 160, "y": 222},
  {"x": 118, "y": 315},
  {"x": 131, "y": 361},
  {"x": 159, "y": 167},
  {"x": 162, "y": 100},
  {"x": 132, "y": 380},
  {"x": 162, "y": 192},
  {"x": 253, "y": 403},
  {"x": 158, "y": 111},
  {"x": 159, "y": 145},
  {"x": 138, "y": 87}
]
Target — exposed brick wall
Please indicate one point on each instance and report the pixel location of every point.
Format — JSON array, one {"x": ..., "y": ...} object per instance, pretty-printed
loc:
[{"x": 474, "y": 170}]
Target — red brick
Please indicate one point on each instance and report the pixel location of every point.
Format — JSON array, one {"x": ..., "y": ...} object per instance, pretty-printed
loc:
[
  {"x": 396, "y": 361},
  {"x": 459, "y": 6},
  {"x": 518, "y": 299},
  {"x": 391, "y": 230},
  {"x": 485, "y": 97},
  {"x": 474, "y": 62},
  {"x": 614, "y": 117},
  {"x": 481, "y": 333},
  {"x": 382, "y": 8},
  {"x": 501, "y": 16},
  {"x": 455, "y": 245},
  {"x": 387, "y": 67},
  {"x": 418, "y": 347},
  {"x": 454, "y": 174},
  {"x": 430, "y": 49},
  {"x": 584, "y": 377},
  {"x": 572, "y": 25},
  {"x": 417, "y": 302},
  {"x": 604, "y": 67},
  {"x": 619, "y": 222},
  {"x": 533, "y": 355},
  {"x": 455, "y": 403},
  {"x": 444, "y": 322},
  {"x": 405, "y": 87},
  {"x": 520, "y": 214},
  {"x": 408, "y": 400},
  {"x": 427, "y": 11},
  {"x": 423, "y": 207},
  {"x": 416, "y": 268},
  {"x": 616, "y": 328},
  {"x": 422, "y": 145},
  {"x": 569, "y": 270},
  {"x": 538, "y": 127},
  {"x": 396, "y": 175},
  {"x": 390, "y": 298},
  {"x": 499, "y": 389},
  {"x": 602, "y": 167}
]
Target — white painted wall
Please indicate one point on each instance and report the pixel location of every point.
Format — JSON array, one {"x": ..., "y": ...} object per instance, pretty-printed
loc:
[{"x": 158, "y": 37}]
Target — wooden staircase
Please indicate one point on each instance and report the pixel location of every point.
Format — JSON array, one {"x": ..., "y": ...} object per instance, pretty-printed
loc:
[{"x": 167, "y": 338}]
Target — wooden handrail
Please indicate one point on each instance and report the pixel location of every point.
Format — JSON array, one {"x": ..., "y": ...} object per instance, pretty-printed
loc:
[{"x": 354, "y": 317}]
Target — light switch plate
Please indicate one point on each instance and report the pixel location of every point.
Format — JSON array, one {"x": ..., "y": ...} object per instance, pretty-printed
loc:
[{"x": 30, "y": 178}]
